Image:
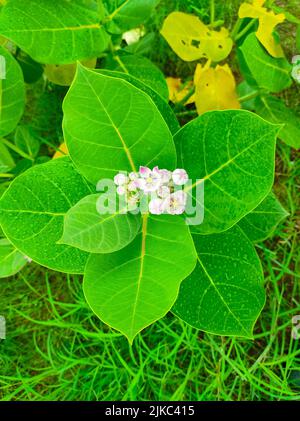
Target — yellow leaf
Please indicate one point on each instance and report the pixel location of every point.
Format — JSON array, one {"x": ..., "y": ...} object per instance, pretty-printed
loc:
[
  {"x": 63, "y": 74},
  {"x": 267, "y": 22},
  {"x": 177, "y": 92},
  {"x": 191, "y": 39},
  {"x": 215, "y": 89},
  {"x": 63, "y": 151}
]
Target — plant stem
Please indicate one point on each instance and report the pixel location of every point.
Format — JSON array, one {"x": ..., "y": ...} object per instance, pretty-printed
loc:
[
  {"x": 249, "y": 96},
  {"x": 212, "y": 12},
  {"x": 236, "y": 28},
  {"x": 16, "y": 149},
  {"x": 185, "y": 99},
  {"x": 6, "y": 175},
  {"x": 245, "y": 30}
]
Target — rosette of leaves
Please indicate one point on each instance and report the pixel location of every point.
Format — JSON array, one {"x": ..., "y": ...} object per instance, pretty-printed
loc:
[{"x": 138, "y": 267}]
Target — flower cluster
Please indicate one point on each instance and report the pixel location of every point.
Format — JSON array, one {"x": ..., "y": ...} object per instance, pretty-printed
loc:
[
  {"x": 296, "y": 68},
  {"x": 159, "y": 186}
]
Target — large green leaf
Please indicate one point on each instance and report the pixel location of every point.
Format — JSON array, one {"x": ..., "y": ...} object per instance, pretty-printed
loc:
[
  {"x": 141, "y": 68},
  {"x": 260, "y": 224},
  {"x": 163, "y": 107},
  {"x": 53, "y": 31},
  {"x": 12, "y": 94},
  {"x": 272, "y": 74},
  {"x": 32, "y": 214},
  {"x": 111, "y": 126},
  {"x": 11, "y": 260},
  {"x": 273, "y": 109},
  {"x": 224, "y": 295},
  {"x": 134, "y": 287},
  {"x": 90, "y": 227},
  {"x": 232, "y": 153},
  {"x": 131, "y": 13}
]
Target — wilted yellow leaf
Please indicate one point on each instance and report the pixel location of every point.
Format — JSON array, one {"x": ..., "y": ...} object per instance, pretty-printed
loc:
[
  {"x": 63, "y": 150},
  {"x": 191, "y": 39},
  {"x": 215, "y": 89},
  {"x": 267, "y": 22},
  {"x": 63, "y": 74},
  {"x": 177, "y": 92}
]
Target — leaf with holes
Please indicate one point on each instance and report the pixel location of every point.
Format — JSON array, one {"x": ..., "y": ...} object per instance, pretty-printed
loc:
[
  {"x": 232, "y": 153},
  {"x": 104, "y": 132},
  {"x": 191, "y": 39},
  {"x": 134, "y": 287},
  {"x": 224, "y": 295}
]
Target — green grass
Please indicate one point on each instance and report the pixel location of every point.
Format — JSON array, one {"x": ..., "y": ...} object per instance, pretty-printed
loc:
[{"x": 57, "y": 350}]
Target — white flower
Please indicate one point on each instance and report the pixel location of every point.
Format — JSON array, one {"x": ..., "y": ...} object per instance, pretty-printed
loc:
[
  {"x": 121, "y": 190},
  {"x": 180, "y": 177},
  {"x": 296, "y": 59},
  {"x": 132, "y": 201},
  {"x": 156, "y": 206},
  {"x": 175, "y": 203},
  {"x": 120, "y": 179},
  {"x": 132, "y": 186},
  {"x": 165, "y": 175},
  {"x": 296, "y": 73},
  {"x": 133, "y": 35},
  {"x": 163, "y": 191},
  {"x": 149, "y": 181},
  {"x": 133, "y": 176}
]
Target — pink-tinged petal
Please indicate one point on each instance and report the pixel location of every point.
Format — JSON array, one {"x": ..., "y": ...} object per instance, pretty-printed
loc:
[
  {"x": 156, "y": 206},
  {"x": 165, "y": 176},
  {"x": 180, "y": 196},
  {"x": 145, "y": 172},
  {"x": 180, "y": 177},
  {"x": 120, "y": 179},
  {"x": 121, "y": 190}
]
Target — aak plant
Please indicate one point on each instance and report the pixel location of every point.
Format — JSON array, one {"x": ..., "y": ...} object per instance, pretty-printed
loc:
[
  {"x": 210, "y": 277},
  {"x": 136, "y": 266}
]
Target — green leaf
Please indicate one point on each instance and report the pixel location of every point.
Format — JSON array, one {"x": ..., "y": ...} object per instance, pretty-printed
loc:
[
  {"x": 131, "y": 13},
  {"x": 12, "y": 94},
  {"x": 144, "y": 46},
  {"x": 274, "y": 110},
  {"x": 32, "y": 214},
  {"x": 260, "y": 224},
  {"x": 11, "y": 260},
  {"x": 298, "y": 38},
  {"x": 224, "y": 295},
  {"x": 104, "y": 130},
  {"x": 134, "y": 287},
  {"x": 272, "y": 74},
  {"x": 141, "y": 68},
  {"x": 54, "y": 32},
  {"x": 232, "y": 152},
  {"x": 26, "y": 139},
  {"x": 89, "y": 227},
  {"x": 245, "y": 90},
  {"x": 163, "y": 107},
  {"x": 6, "y": 160}
]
